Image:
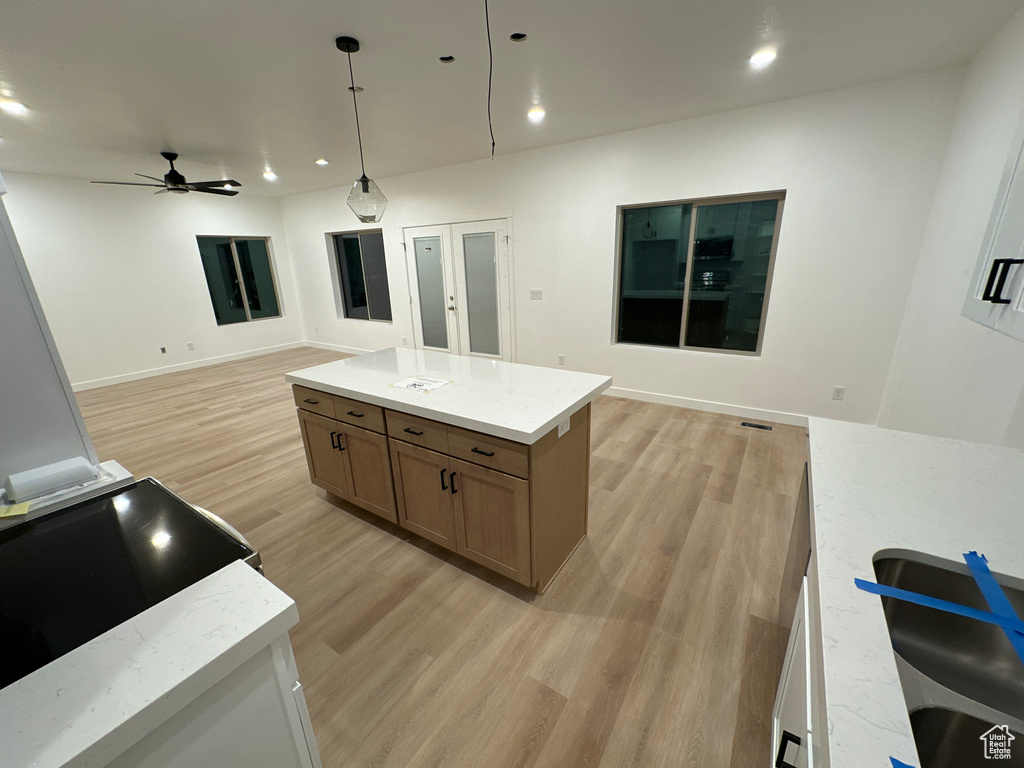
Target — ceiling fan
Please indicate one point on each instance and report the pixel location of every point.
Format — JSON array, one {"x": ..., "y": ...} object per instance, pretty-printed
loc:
[{"x": 174, "y": 182}]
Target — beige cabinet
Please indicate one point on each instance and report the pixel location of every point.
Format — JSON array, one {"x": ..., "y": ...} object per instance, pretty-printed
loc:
[
  {"x": 519, "y": 510},
  {"x": 349, "y": 462}
]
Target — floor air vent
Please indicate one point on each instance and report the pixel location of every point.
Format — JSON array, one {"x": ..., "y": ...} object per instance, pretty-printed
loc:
[{"x": 755, "y": 426}]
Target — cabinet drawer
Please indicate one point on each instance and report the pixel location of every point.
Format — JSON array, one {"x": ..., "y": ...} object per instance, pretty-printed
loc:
[
  {"x": 361, "y": 414},
  {"x": 418, "y": 431},
  {"x": 311, "y": 400},
  {"x": 493, "y": 452}
]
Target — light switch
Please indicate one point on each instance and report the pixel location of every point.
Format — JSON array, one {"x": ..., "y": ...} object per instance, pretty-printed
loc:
[{"x": 536, "y": 294}]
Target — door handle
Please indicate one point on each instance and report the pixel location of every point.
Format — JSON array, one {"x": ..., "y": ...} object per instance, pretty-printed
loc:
[
  {"x": 334, "y": 443},
  {"x": 780, "y": 758},
  {"x": 340, "y": 446},
  {"x": 451, "y": 480},
  {"x": 443, "y": 486},
  {"x": 997, "y": 280}
]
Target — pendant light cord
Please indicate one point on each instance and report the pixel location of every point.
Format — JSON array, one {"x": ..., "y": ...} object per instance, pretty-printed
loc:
[
  {"x": 490, "y": 75},
  {"x": 355, "y": 106}
]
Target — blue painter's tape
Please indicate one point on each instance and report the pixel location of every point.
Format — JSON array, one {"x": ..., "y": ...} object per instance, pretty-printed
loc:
[
  {"x": 995, "y": 597},
  {"x": 898, "y": 764},
  {"x": 1006, "y": 622}
]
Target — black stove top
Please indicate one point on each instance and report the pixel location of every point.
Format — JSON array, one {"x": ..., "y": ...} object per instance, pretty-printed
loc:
[{"x": 69, "y": 576}]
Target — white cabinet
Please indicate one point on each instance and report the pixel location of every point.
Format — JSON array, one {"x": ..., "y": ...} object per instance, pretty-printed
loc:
[
  {"x": 995, "y": 297},
  {"x": 791, "y": 716}
]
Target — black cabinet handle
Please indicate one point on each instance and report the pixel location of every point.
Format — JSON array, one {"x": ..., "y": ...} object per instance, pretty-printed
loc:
[
  {"x": 311, "y": 402},
  {"x": 997, "y": 280},
  {"x": 482, "y": 453},
  {"x": 780, "y": 758},
  {"x": 412, "y": 432},
  {"x": 443, "y": 486},
  {"x": 334, "y": 442},
  {"x": 452, "y": 480},
  {"x": 357, "y": 415}
]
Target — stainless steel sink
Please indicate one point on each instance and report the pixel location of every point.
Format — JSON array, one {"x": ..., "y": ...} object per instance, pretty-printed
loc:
[
  {"x": 948, "y": 739},
  {"x": 970, "y": 657}
]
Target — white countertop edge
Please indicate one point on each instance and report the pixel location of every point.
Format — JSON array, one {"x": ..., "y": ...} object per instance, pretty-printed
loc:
[
  {"x": 90, "y": 705},
  {"x": 873, "y": 490},
  {"x": 426, "y": 412}
]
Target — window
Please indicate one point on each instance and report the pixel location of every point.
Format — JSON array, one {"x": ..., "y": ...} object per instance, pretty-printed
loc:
[
  {"x": 696, "y": 274},
  {"x": 237, "y": 267},
  {"x": 362, "y": 275}
]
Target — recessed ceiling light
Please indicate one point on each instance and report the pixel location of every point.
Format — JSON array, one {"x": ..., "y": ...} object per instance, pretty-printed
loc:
[
  {"x": 322, "y": 161},
  {"x": 13, "y": 107},
  {"x": 762, "y": 58},
  {"x": 269, "y": 175},
  {"x": 536, "y": 114}
]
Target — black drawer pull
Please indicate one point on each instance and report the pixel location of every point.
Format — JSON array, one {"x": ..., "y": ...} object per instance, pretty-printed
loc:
[
  {"x": 311, "y": 402},
  {"x": 412, "y": 432},
  {"x": 452, "y": 480},
  {"x": 443, "y": 486},
  {"x": 357, "y": 415},
  {"x": 780, "y": 758},
  {"x": 334, "y": 443},
  {"x": 997, "y": 280},
  {"x": 482, "y": 453}
]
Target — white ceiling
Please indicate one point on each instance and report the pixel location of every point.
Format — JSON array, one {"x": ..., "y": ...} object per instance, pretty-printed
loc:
[{"x": 236, "y": 86}]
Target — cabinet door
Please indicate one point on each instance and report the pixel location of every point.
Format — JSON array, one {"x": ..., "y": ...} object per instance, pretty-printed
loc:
[
  {"x": 370, "y": 471},
  {"x": 325, "y": 453},
  {"x": 422, "y": 491},
  {"x": 790, "y": 716},
  {"x": 492, "y": 519}
]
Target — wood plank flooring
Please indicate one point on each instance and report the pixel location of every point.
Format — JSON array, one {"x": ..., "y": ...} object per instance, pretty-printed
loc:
[{"x": 659, "y": 644}]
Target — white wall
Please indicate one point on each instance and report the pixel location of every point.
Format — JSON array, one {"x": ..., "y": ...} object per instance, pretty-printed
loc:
[
  {"x": 859, "y": 166},
  {"x": 119, "y": 275},
  {"x": 951, "y": 376}
]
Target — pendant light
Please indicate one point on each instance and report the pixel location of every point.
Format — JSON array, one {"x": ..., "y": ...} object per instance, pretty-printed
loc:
[{"x": 366, "y": 200}]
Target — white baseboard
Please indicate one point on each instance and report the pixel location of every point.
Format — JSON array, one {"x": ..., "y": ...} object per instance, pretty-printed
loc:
[
  {"x": 336, "y": 347},
  {"x": 779, "y": 417},
  {"x": 83, "y": 385}
]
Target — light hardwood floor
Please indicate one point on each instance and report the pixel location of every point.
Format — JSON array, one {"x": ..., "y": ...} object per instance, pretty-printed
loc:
[{"x": 659, "y": 644}]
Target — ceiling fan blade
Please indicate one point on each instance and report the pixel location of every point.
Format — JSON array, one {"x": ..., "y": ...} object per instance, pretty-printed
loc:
[
  {"x": 216, "y": 191},
  {"x": 127, "y": 183},
  {"x": 197, "y": 185},
  {"x": 160, "y": 191},
  {"x": 154, "y": 178}
]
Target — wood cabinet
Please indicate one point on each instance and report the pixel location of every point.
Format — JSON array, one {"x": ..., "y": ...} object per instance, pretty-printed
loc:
[
  {"x": 519, "y": 510},
  {"x": 349, "y": 462}
]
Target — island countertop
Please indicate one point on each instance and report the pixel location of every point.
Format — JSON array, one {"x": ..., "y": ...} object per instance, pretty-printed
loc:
[
  {"x": 510, "y": 400},
  {"x": 876, "y": 489}
]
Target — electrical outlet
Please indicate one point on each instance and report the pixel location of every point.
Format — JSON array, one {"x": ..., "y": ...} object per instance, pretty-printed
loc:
[
  {"x": 561, "y": 359},
  {"x": 191, "y": 346},
  {"x": 403, "y": 341},
  {"x": 163, "y": 350},
  {"x": 838, "y": 393},
  {"x": 536, "y": 295},
  {"x": 316, "y": 329}
]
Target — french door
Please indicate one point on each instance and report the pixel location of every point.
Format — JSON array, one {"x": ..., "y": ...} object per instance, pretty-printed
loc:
[{"x": 459, "y": 283}]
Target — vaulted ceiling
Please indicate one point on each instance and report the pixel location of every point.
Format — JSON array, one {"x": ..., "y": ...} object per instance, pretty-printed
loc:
[{"x": 237, "y": 87}]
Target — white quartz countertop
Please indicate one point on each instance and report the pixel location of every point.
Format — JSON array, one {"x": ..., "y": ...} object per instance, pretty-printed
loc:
[
  {"x": 90, "y": 705},
  {"x": 517, "y": 402},
  {"x": 876, "y": 489}
]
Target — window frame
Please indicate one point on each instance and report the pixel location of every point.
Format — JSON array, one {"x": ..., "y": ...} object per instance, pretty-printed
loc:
[
  {"x": 696, "y": 203},
  {"x": 334, "y": 257},
  {"x": 271, "y": 263}
]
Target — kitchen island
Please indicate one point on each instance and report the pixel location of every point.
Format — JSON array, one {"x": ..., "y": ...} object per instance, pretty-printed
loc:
[{"x": 490, "y": 461}]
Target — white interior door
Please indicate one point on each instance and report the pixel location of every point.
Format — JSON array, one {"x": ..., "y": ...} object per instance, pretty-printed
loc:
[
  {"x": 432, "y": 289},
  {"x": 472, "y": 275}
]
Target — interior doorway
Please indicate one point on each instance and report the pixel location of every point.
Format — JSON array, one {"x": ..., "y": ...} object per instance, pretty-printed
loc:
[{"x": 459, "y": 284}]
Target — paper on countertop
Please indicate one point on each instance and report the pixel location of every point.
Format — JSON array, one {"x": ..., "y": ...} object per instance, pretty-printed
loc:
[
  {"x": 420, "y": 383},
  {"x": 14, "y": 510}
]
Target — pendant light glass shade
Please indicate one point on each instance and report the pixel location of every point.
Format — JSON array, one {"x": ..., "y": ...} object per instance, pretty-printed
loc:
[{"x": 366, "y": 200}]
